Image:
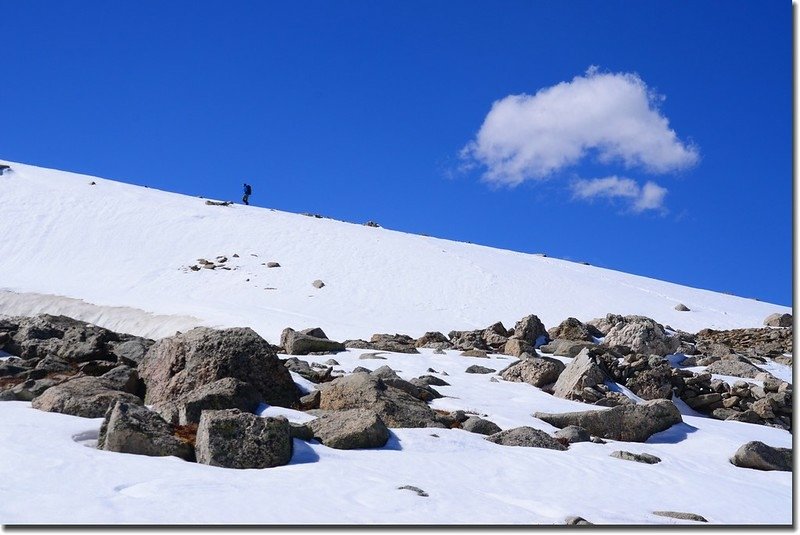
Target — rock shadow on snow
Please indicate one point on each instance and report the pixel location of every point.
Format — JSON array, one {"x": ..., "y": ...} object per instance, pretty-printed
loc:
[
  {"x": 303, "y": 453},
  {"x": 673, "y": 435}
]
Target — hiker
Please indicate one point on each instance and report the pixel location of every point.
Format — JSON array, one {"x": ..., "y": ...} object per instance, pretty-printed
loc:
[{"x": 247, "y": 191}]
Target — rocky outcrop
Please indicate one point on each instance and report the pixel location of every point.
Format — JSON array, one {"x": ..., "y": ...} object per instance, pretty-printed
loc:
[
  {"x": 535, "y": 371},
  {"x": 308, "y": 341},
  {"x": 629, "y": 423},
  {"x": 176, "y": 365},
  {"x": 235, "y": 439},
  {"x": 363, "y": 391},
  {"x": 135, "y": 429},
  {"x": 350, "y": 429},
  {"x": 88, "y": 397},
  {"x": 526, "y": 437},
  {"x": 758, "y": 344},
  {"x": 759, "y": 456}
]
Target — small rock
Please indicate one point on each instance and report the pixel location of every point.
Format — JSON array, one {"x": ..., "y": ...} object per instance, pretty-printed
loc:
[
  {"x": 350, "y": 429},
  {"x": 474, "y": 424},
  {"x": 681, "y": 516},
  {"x": 680, "y": 307},
  {"x": 317, "y": 284},
  {"x": 526, "y": 437},
  {"x": 479, "y": 369},
  {"x": 418, "y": 490},
  {"x": 760, "y": 456},
  {"x": 576, "y": 521},
  {"x": 275, "y": 265},
  {"x": 645, "y": 458},
  {"x": 573, "y": 434}
]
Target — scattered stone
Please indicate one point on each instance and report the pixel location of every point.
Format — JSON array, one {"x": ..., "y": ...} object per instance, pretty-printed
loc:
[
  {"x": 433, "y": 340},
  {"x": 681, "y": 516},
  {"x": 680, "y": 307},
  {"x": 396, "y": 343},
  {"x": 370, "y": 356},
  {"x": 318, "y": 284},
  {"x": 583, "y": 372},
  {"x": 235, "y": 439},
  {"x": 645, "y": 458},
  {"x": 526, "y": 437},
  {"x": 535, "y": 371},
  {"x": 332, "y": 362},
  {"x": 778, "y": 320},
  {"x": 629, "y": 423},
  {"x": 429, "y": 380},
  {"x": 134, "y": 429},
  {"x": 571, "y": 329},
  {"x": 350, "y": 429},
  {"x": 273, "y": 265},
  {"x": 477, "y": 353},
  {"x": 308, "y": 341},
  {"x": 566, "y": 348},
  {"x": 479, "y": 369},
  {"x": 759, "y": 456},
  {"x": 576, "y": 521},
  {"x": 531, "y": 329},
  {"x": 733, "y": 367},
  {"x": 517, "y": 347},
  {"x": 474, "y": 424},
  {"x": 412, "y": 488}
]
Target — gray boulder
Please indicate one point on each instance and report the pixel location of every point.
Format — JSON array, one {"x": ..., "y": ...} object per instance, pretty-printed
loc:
[
  {"x": 642, "y": 335},
  {"x": 680, "y": 307},
  {"x": 350, "y": 429},
  {"x": 734, "y": 367},
  {"x": 429, "y": 380},
  {"x": 566, "y": 348},
  {"x": 778, "y": 320},
  {"x": 308, "y": 341},
  {"x": 135, "y": 429},
  {"x": 571, "y": 329},
  {"x": 397, "y": 343},
  {"x": 583, "y": 372},
  {"x": 176, "y": 365},
  {"x": 227, "y": 393},
  {"x": 517, "y": 347},
  {"x": 652, "y": 383},
  {"x": 531, "y": 329},
  {"x": 126, "y": 379},
  {"x": 433, "y": 340},
  {"x": 629, "y": 423},
  {"x": 572, "y": 434},
  {"x": 88, "y": 397},
  {"x": 234, "y": 439},
  {"x": 467, "y": 340},
  {"x": 535, "y": 371},
  {"x": 390, "y": 378},
  {"x": 645, "y": 458},
  {"x": 363, "y": 391},
  {"x": 479, "y": 369},
  {"x": 759, "y": 456},
  {"x": 474, "y": 424},
  {"x": 526, "y": 437}
]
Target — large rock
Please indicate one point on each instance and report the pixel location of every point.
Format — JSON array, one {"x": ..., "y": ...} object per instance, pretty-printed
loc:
[
  {"x": 734, "y": 367},
  {"x": 363, "y": 391},
  {"x": 759, "y": 456},
  {"x": 517, "y": 347},
  {"x": 227, "y": 393},
  {"x": 308, "y": 341},
  {"x": 467, "y": 340},
  {"x": 135, "y": 429},
  {"x": 235, "y": 439},
  {"x": 176, "y": 365},
  {"x": 433, "y": 340},
  {"x": 629, "y": 423},
  {"x": 126, "y": 379},
  {"x": 474, "y": 424},
  {"x": 351, "y": 429},
  {"x": 605, "y": 324},
  {"x": 526, "y": 437},
  {"x": 565, "y": 348},
  {"x": 642, "y": 335},
  {"x": 88, "y": 397},
  {"x": 531, "y": 329},
  {"x": 652, "y": 383},
  {"x": 495, "y": 336},
  {"x": 583, "y": 372},
  {"x": 571, "y": 329},
  {"x": 390, "y": 378},
  {"x": 479, "y": 369},
  {"x": 778, "y": 320},
  {"x": 397, "y": 343},
  {"x": 535, "y": 371}
]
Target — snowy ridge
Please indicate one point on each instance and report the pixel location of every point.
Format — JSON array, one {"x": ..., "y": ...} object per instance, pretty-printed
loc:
[{"x": 113, "y": 244}]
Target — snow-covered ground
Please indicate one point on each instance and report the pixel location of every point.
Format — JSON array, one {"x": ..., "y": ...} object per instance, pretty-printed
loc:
[{"x": 118, "y": 255}]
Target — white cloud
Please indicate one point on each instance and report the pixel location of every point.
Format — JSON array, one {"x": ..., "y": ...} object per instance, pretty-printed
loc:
[
  {"x": 614, "y": 114},
  {"x": 641, "y": 198}
]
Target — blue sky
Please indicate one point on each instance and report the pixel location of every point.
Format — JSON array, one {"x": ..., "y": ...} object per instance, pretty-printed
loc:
[{"x": 362, "y": 110}]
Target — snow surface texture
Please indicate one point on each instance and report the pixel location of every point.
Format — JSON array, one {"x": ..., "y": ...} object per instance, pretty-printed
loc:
[
  {"x": 113, "y": 244},
  {"x": 118, "y": 255}
]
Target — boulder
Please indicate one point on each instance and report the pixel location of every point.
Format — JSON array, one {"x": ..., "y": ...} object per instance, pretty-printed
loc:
[
  {"x": 778, "y": 320},
  {"x": 467, "y": 340},
  {"x": 429, "y": 380},
  {"x": 535, "y": 371},
  {"x": 131, "y": 352},
  {"x": 176, "y": 365},
  {"x": 734, "y": 367},
  {"x": 680, "y": 516},
  {"x": 360, "y": 390},
  {"x": 397, "y": 343},
  {"x": 652, "y": 383},
  {"x": 680, "y": 307},
  {"x": 583, "y": 372},
  {"x": 759, "y": 456},
  {"x": 433, "y": 340},
  {"x": 566, "y": 348},
  {"x": 570, "y": 329},
  {"x": 479, "y": 369},
  {"x": 629, "y": 423},
  {"x": 227, "y": 393},
  {"x": 531, "y": 329},
  {"x": 126, "y": 379},
  {"x": 645, "y": 458},
  {"x": 642, "y": 335},
  {"x": 318, "y": 284},
  {"x": 303, "y": 343},
  {"x": 474, "y": 424},
  {"x": 135, "y": 429},
  {"x": 234, "y": 439},
  {"x": 310, "y": 401},
  {"x": 495, "y": 336},
  {"x": 350, "y": 429},
  {"x": 526, "y": 437},
  {"x": 88, "y": 397},
  {"x": 605, "y": 324},
  {"x": 573, "y": 434},
  {"x": 390, "y": 378},
  {"x": 477, "y": 353},
  {"x": 517, "y": 347}
]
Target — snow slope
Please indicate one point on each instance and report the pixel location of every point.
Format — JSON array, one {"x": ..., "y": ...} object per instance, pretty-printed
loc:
[
  {"x": 113, "y": 244},
  {"x": 118, "y": 255}
]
